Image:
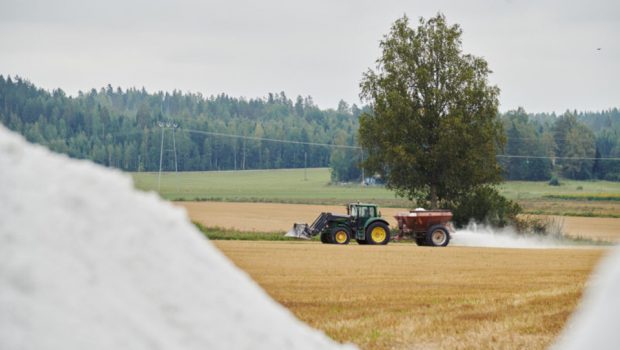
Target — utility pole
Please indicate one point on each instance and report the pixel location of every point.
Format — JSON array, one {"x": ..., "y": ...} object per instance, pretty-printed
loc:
[
  {"x": 243, "y": 160},
  {"x": 161, "y": 147},
  {"x": 174, "y": 147},
  {"x": 363, "y": 175},
  {"x": 305, "y": 166},
  {"x": 161, "y": 155},
  {"x": 164, "y": 126}
]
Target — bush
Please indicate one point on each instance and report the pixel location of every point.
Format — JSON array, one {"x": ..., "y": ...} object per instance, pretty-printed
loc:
[
  {"x": 545, "y": 226},
  {"x": 612, "y": 177},
  {"x": 554, "y": 181},
  {"x": 484, "y": 205}
]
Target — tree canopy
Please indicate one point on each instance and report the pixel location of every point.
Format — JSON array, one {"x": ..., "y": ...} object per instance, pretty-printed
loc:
[
  {"x": 432, "y": 130},
  {"x": 526, "y": 138}
]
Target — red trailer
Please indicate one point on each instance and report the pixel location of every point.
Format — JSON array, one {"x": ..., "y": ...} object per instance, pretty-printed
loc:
[{"x": 428, "y": 227}]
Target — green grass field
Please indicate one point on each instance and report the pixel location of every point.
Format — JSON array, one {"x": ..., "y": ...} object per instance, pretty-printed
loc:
[
  {"x": 581, "y": 198},
  {"x": 570, "y": 189},
  {"x": 284, "y": 185},
  {"x": 571, "y": 198}
]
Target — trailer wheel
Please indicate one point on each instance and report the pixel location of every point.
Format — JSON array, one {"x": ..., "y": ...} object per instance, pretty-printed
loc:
[
  {"x": 378, "y": 233},
  {"x": 437, "y": 236},
  {"x": 340, "y": 235}
]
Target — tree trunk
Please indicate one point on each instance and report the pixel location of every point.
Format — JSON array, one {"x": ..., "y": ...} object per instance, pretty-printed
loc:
[{"x": 433, "y": 196}]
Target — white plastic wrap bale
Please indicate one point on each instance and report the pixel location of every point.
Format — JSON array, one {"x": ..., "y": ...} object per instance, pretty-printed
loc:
[
  {"x": 87, "y": 262},
  {"x": 596, "y": 322}
]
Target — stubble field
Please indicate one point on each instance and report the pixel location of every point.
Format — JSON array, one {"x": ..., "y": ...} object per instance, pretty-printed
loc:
[{"x": 409, "y": 297}]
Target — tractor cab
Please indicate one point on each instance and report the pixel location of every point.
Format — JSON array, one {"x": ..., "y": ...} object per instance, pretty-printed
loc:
[{"x": 360, "y": 213}]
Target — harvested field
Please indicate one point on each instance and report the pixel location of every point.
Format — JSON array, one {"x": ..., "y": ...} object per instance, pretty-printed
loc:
[
  {"x": 408, "y": 297},
  {"x": 263, "y": 217},
  {"x": 272, "y": 217},
  {"x": 604, "y": 229},
  {"x": 571, "y": 207}
]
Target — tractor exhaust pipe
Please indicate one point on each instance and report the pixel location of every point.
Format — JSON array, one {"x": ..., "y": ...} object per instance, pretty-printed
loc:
[{"x": 299, "y": 231}]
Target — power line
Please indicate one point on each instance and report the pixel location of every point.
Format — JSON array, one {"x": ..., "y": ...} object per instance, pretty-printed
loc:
[
  {"x": 255, "y": 138},
  {"x": 360, "y": 148},
  {"x": 563, "y": 158}
]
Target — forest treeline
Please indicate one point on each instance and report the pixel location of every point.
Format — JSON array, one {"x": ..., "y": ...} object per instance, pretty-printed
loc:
[
  {"x": 119, "y": 128},
  {"x": 574, "y": 145}
]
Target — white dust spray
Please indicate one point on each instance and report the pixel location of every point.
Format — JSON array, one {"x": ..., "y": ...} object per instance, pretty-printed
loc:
[{"x": 477, "y": 235}]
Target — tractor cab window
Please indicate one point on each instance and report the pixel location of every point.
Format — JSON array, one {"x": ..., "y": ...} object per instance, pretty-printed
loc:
[
  {"x": 371, "y": 212},
  {"x": 353, "y": 210},
  {"x": 363, "y": 212}
]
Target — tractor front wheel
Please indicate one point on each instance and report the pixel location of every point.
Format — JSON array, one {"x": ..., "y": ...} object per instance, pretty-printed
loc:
[
  {"x": 341, "y": 235},
  {"x": 378, "y": 233}
]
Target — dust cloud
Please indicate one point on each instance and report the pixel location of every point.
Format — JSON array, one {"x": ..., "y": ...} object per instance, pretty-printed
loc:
[{"x": 478, "y": 235}]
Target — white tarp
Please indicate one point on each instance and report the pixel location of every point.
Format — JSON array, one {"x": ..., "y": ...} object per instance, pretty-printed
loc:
[{"x": 87, "y": 262}]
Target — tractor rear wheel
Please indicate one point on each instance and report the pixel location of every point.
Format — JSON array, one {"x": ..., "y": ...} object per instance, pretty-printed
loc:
[
  {"x": 340, "y": 235},
  {"x": 437, "y": 236},
  {"x": 378, "y": 233}
]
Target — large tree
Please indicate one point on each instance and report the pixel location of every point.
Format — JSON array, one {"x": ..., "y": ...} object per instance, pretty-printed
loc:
[{"x": 433, "y": 130}]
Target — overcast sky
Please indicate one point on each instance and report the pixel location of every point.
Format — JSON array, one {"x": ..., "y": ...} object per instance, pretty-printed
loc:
[{"x": 543, "y": 53}]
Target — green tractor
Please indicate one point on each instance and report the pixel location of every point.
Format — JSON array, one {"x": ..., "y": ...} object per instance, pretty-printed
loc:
[{"x": 363, "y": 222}]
